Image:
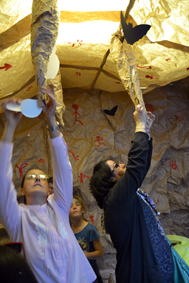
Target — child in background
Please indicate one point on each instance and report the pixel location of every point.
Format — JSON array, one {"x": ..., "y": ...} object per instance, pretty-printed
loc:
[{"x": 86, "y": 234}]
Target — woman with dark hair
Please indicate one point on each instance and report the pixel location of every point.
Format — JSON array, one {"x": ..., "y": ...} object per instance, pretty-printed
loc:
[
  {"x": 130, "y": 216},
  {"x": 42, "y": 225},
  {"x": 14, "y": 268}
]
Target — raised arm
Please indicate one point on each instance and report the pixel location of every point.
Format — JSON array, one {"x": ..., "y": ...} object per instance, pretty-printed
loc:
[
  {"x": 62, "y": 170},
  {"x": 9, "y": 209},
  {"x": 139, "y": 156},
  {"x": 49, "y": 111},
  {"x": 149, "y": 122},
  {"x": 13, "y": 119}
]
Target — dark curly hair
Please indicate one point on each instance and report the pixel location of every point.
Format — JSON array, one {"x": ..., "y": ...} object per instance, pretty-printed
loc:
[
  {"x": 101, "y": 182},
  {"x": 14, "y": 268}
]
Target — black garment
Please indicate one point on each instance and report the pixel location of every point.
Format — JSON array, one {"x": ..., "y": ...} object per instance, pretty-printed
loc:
[
  {"x": 97, "y": 272},
  {"x": 125, "y": 222}
]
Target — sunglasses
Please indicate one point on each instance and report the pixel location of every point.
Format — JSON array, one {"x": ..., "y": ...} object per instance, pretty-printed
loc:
[
  {"x": 116, "y": 166},
  {"x": 34, "y": 176}
]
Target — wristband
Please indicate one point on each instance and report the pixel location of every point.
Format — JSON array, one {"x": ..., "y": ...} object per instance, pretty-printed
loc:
[{"x": 54, "y": 128}]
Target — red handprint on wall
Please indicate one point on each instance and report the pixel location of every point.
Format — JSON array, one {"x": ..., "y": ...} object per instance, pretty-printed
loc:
[
  {"x": 82, "y": 176},
  {"x": 172, "y": 163},
  {"x": 23, "y": 165},
  {"x": 98, "y": 141},
  {"x": 76, "y": 107}
]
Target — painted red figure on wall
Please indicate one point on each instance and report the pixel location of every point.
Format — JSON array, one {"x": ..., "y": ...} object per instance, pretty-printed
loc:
[
  {"x": 76, "y": 113},
  {"x": 23, "y": 165}
]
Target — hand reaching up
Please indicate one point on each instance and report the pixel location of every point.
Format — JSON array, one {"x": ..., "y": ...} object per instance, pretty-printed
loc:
[
  {"x": 140, "y": 118},
  {"x": 13, "y": 117},
  {"x": 50, "y": 108},
  {"x": 49, "y": 111}
]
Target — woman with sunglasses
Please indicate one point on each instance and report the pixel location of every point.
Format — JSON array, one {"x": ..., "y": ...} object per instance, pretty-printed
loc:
[
  {"x": 51, "y": 248},
  {"x": 130, "y": 216}
]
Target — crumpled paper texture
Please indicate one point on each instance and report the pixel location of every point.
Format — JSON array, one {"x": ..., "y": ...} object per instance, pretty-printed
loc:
[
  {"x": 156, "y": 54},
  {"x": 169, "y": 19},
  {"x": 127, "y": 69},
  {"x": 44, "y": 31},
  {"x": 93, "y": 135}
]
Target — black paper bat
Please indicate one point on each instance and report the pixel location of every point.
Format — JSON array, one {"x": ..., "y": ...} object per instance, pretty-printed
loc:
[
  {"x": 133, "y": 34},
  {"x": 112, "y": 111}
]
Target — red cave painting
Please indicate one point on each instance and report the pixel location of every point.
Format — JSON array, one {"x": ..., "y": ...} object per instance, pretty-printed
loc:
[
  {"x": 23, "y": 165},
  {"x": 28, "y": 89},
  {"x": 78, "y": 74},
  {"x": 6, "y": 67},
  {"x": 75, "y": 157},
  {"x": 150, "y": 107},
  {"x": 151, "y": 77},
  {"x": 167, "y": 59},
  {"x": 98, "y": 141},
  {"x": 77, "y": 42},
  {"x": 82, "y": 176},
  {"x": 146, "y": 67},
  {"x": 173, "y": 165},
  {"x": 92, "y": 219},
  {"x": 41, "y": 160},
  {"x": 156, "y": 201},
  {"x": 76, "y": 107}
]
